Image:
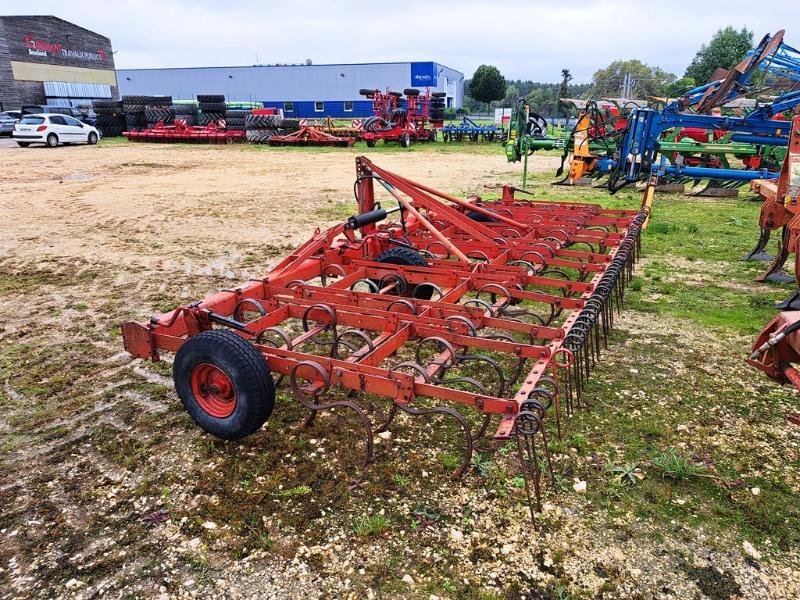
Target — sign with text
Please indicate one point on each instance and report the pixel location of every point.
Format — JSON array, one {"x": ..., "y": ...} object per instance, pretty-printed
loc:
[
  {"x": 423, "y": 74},
  {"x": 38, "y": 47}
]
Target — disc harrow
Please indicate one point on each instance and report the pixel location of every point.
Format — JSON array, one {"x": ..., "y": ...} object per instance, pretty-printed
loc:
[{"x": 490, "y": 313}]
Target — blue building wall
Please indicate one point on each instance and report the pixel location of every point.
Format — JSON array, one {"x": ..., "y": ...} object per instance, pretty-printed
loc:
[
  {"x": 306, "y": 109},
  {"x": 302, "y": 84}
]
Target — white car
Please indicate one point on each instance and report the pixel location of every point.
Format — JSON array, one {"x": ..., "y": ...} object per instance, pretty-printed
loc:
[{"x": 52, "y": 130}]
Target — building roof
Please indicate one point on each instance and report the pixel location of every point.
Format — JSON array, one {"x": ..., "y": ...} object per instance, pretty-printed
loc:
[{"x": 398, "y": 62}]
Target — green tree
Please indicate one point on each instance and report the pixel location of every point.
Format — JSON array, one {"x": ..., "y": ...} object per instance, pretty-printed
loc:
[
  {"x": 645, "y": 80},
  {"x": 680, "y": 87},
  {"x": 512, "y": 95},
  {"x": 725, "y": 50},
  {"x": 487, "y": 84},
  {"x": 566, "y": 77}
]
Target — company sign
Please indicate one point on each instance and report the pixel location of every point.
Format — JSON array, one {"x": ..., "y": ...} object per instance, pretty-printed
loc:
[
  {"x": 424, "y": 74},
  {"x": 37, "y": 47}
]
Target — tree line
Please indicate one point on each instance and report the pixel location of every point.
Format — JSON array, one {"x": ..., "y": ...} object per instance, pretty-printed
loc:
[{"x": 488, "y": 89}]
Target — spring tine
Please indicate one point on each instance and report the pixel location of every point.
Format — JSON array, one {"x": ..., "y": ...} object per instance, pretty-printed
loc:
[
  {"x": 446, "y": 410},
  {"x": 392, "y": 414}
]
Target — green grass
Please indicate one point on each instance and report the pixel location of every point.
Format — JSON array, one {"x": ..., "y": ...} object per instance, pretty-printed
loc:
[{"x": 371, "y": 526}]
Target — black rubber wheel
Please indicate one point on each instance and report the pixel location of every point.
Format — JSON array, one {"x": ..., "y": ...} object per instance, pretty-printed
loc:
[
  {"x": 410, "y": 258},
  {"x": 438, "y": 94},
  {"x": 405, "y": 140},
  {"x": 92, "y": 138},
  {"x": 23, "y": 144},
  {"x": 370, "y": 143},
  {"x": 210, "y": 98},
  {"x": 52, "y": 140},
  {"x": 224, "y": 384},
  {"x": 411, "y": 92},
  {"x": 480, "y": 217}
]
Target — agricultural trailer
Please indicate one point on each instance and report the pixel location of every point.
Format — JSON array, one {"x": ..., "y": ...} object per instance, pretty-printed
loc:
[{"x": 490, "y": 313}]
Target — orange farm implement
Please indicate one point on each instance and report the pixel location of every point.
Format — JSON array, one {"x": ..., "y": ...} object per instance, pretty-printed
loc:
[
  {"x": 403, "y": 312},
  {"x": 776, "y": 351}
]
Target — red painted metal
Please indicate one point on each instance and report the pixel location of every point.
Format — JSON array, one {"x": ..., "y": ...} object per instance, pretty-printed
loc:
[
  {"x": 214, "y": 390},
  {"x": 777, "y": 347},
  {"x": 528, "y": 297},
  {"x": 180, "y": 132},
  {"x": 399, "y": 124},
  {"x": 310, "y": 136}
]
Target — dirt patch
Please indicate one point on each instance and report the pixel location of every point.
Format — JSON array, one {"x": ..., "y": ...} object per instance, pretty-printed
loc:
[{"x": 106, "y": 486}]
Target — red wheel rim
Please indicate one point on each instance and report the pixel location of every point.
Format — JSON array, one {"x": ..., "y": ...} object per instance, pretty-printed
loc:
[{"x": 213, "y": 390}]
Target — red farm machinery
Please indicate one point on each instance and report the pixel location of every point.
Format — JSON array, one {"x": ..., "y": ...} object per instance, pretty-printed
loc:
[
  {"x": 401, "y": 306},
  {"x": 181, "y": 132},
  {"x": 777, "y": 348},
  {"x": 403, "y": 120}
]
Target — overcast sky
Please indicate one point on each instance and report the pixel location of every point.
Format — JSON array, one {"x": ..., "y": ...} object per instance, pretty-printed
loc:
[{"x": 525, "y": 40}]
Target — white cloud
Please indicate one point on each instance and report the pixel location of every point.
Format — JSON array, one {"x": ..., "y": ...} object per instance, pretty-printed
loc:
[{"x": 526, "y": 40}]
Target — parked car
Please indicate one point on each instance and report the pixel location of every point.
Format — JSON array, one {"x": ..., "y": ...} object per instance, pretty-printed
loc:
[
  {"x": 52, "y": 130},
  {"x": 90, "y": 118},
  {"x": 7, "y": 122}
]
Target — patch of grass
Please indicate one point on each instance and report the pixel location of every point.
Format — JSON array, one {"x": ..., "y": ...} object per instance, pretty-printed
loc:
[
  {"x": 295, "y": 492},
  {"x": 673, "y": 466},
  {"x": 370, "y": 526}
]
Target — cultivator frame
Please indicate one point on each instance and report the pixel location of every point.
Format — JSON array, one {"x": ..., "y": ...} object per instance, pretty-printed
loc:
[
  {"x": 180, "y": 132},
  {"x": 777, "y": 348},
  {"x": 524, "y": 290},
  {"x": 311, "y": 136}
]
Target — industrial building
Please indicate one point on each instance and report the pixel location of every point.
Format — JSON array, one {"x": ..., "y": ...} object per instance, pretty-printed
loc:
[
  {"x": 46, "y": 60},
  {"x": 300, "y": 90}
]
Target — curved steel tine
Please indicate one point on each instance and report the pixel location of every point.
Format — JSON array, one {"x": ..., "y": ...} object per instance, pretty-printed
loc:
[
  {"x": 526, "y": 426},
  {"x": 446, "y": 410},
  {"x": 303, "y": 398},
  {"x": 478, "y": 435},
  {"x": 486, "y": 359},
  {"x": 420, "y": 370}
]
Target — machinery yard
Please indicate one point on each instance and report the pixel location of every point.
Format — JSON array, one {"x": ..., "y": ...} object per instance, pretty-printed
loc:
[
  {"x": 276, "y": 327},
  {"x": 679, "y": 480}
]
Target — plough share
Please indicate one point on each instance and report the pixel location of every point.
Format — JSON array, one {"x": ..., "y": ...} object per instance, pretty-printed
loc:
[{"x": 522, "y": 291}]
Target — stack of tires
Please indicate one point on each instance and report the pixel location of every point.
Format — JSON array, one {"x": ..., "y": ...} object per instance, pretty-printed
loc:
[
  {"x": 133, "y": 109},
  {"x": 235, "y": 119},
  {"x": 437, "y": 107},
  {"x": 110, "y": 118},
  {"x": 159, "y": 110},
  {"x": 260, "y": 128},
  {"x": 186, "y": 113},
  {"x": 212, "y": 108}
]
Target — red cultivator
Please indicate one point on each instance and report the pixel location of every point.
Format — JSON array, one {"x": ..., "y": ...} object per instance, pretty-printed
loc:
[
  {"x": 777, "y": 348},
  {"x": 310, "y": 136},
  {"x": 522, "y": 292},
  {"x": 180, "y": 132}
]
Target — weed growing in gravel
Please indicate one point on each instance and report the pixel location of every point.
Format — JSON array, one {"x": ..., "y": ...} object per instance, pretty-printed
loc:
[
  {"x": 374, "y": 525},
  {"x": 674, "y": 466}
]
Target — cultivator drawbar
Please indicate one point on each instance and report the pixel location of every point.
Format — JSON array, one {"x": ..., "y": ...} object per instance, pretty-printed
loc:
[{"x": 461, "y": 308}]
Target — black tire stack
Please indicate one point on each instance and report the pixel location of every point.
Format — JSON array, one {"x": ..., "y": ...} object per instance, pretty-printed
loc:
[
  {"x": 133, "y": 109},
  {"x": 260, "y": 128},
  {"x": 158, "y": 109},
  {"x": 437, "y": 106},
  {"x": 110, "y": 118},
  {"x": 212, "y": 108},
  {"x": 235, "y": 119},
  {"x": 185, "y": 112}
]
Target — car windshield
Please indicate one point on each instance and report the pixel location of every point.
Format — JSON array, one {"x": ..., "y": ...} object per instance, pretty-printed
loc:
[{"x": 32, "y": 120}]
